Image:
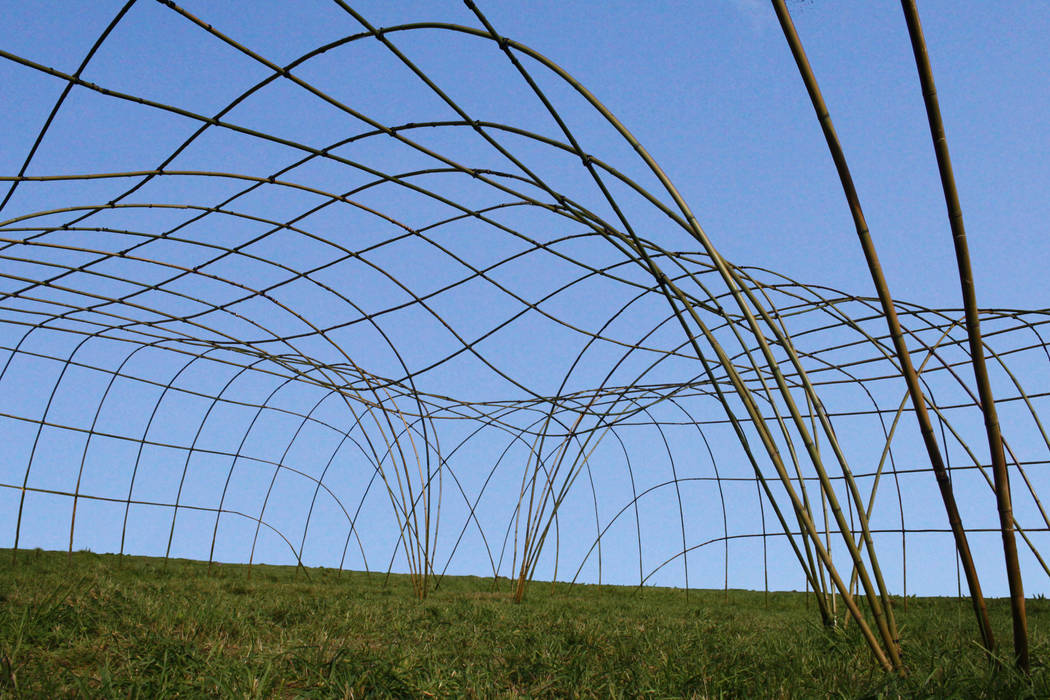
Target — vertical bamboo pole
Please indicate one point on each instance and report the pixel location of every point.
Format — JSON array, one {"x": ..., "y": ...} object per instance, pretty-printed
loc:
[
  {"x": 973, "y": 327},
  {"x": 907, "y": 369}
]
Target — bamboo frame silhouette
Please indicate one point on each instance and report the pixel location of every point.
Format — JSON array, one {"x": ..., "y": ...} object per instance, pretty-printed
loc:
[{"x": 688, "y": 335}]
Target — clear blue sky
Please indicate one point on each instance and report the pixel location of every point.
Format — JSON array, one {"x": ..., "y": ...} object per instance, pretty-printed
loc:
[{"x": 710, "y": 90}]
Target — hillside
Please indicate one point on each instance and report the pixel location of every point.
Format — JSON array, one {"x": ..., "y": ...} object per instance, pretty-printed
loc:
[{"x": 137, "y": 627}]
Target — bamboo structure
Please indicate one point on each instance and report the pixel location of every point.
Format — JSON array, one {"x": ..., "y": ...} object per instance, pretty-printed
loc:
[{"x": 388, "y": 331}]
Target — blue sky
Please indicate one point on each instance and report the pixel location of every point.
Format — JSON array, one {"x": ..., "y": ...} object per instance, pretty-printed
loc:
[{"x": 711, "y": 92}]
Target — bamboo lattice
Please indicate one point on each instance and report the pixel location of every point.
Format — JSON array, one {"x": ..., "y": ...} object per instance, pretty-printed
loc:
[{"x": 344, "y": 317}]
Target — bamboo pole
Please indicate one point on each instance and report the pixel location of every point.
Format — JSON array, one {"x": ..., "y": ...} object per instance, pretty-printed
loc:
[
  {"x": 973, "y": 328},
  {"x": 890, "y": 313}
]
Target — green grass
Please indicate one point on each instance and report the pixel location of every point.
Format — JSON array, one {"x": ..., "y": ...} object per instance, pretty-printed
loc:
[{"x": 134, "y": 627}]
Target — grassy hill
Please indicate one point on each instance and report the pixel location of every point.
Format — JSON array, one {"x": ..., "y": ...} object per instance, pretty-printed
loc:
[{"x": 137, "y": 627}]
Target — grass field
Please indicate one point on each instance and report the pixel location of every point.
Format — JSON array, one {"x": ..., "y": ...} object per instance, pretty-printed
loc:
[{"x": 102, "y": 625}]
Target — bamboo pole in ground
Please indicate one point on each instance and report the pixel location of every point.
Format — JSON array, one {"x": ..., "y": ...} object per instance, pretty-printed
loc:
[
  {"x": 973, "y": 328},
  {"x": 890, "y": 313}
]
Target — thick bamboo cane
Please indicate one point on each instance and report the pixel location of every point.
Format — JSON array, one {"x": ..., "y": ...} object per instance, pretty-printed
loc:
[
  {"x": 973, "y": 327},
  {"x": 910, "y": 376}
]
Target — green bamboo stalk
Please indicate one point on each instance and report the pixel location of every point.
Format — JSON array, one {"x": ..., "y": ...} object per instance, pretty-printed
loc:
[
  {"x": 973, "y": 327},
  {"x": 886, "y": 300}
]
